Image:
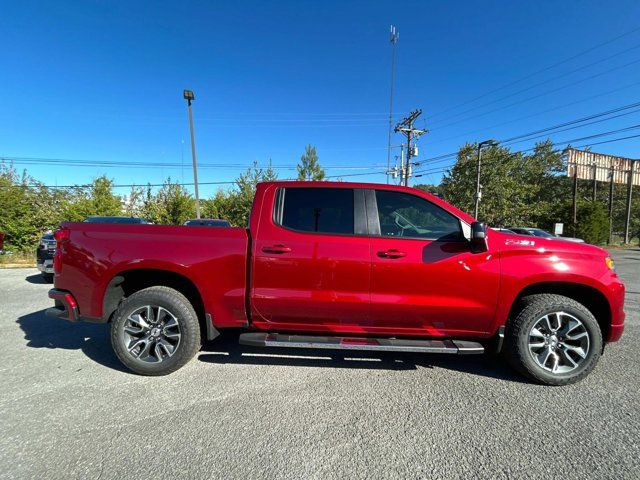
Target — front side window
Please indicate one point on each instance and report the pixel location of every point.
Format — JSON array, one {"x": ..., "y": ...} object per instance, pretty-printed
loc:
[
  {"x": 318, "y": 210},
  {"x": 403, "y": 215}
]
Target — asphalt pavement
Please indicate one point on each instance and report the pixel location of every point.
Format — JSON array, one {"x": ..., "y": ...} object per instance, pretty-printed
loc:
[{"x": 69, "y": 410}]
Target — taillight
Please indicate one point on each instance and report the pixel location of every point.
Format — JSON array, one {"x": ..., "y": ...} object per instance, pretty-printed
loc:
[{"x": 62, "y": 234}]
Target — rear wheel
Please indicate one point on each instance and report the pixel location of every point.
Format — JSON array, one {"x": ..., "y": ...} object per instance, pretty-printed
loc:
[
  {"x": 553, "y": 340},
  {"x": 155, "y": 331}
]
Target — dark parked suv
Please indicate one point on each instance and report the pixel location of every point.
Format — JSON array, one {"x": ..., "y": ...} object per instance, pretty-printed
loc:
[
  {"x": 44, "y": 256},
  {"x": 134, "y": 220},
  {"x": 207, "y": 222}
]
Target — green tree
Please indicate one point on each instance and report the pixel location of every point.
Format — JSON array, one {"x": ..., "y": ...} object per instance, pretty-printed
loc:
[
  {"x": 592, "y": 220},
  {"x": 432, "y": 189},
  {"x": 133, "y": 203},
  {"x": 242, "y": 199},
  {"x": 235, "y": 204},
  {"x": 218, "y": 206},
  {"x": 517, "y": 189},
  {"x": 309, "y": 167},
  {"x": 103, "y": 201},
  {"x": 96, "y": 200},
  {"x": 173, "y": 204},
  {"x": 27, "y": 208}
]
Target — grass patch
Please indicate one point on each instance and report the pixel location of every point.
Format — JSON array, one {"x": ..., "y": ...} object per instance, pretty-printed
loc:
[{"x": 17, "y": 259}]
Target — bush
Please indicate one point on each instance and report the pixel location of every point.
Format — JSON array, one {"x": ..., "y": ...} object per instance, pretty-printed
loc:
[{"x": 593, "y": 222}]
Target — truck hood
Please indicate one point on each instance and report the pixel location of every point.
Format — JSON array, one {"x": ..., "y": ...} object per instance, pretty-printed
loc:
[{"x": 510, "y": 242}]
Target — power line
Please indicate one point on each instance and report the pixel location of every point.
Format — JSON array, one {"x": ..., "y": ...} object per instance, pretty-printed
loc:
[
  {"x": 545, "y": 69},
  {"x": 550, "y": 129},
  {"x": 127, "y": 185},
  {"x": 118, "y": 163},
  {"x": 186, "y": 184},
  {"x": 580, "y": 120},
  {"x": 537, "y": 113},
  {"x": 443, "y": 169},
  {"x": 602, "y": 134},
  {"x": 611, "y": 70},
  {"x": 544, "y": 82}
]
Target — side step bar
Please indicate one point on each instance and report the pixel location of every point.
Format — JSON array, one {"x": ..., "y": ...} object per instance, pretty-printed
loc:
[{"x": 260, "y": 339}]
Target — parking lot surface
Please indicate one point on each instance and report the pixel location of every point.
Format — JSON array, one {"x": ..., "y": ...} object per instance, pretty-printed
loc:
[{"x": 69, "y": 410}]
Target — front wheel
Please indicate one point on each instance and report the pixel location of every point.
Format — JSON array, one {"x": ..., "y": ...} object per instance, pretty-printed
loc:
[
  {"x": 553, "y": 340},
  {"x": 155, "y": 331}
]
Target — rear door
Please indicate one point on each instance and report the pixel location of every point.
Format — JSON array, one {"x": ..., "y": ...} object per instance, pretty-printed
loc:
[
  {"x": 424, "y": 278},
  {"x": 311, "y": 260}
]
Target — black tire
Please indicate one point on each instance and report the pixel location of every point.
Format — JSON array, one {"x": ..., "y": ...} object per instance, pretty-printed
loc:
[
  {"x": 517, "y": 338},
  {"x": 48, "y": 277},
  {"x": 182, "y": 312}
]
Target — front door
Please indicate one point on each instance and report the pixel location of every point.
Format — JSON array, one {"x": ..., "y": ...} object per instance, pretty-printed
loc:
[
  {"x": 311, "y": 261},
  {"x": 424, "y": 277}
]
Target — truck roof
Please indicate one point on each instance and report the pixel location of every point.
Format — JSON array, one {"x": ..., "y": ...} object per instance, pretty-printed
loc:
[{"x": 380, "y": 186}]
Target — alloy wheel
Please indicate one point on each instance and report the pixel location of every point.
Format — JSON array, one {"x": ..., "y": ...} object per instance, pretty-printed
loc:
[
  {"x": 559, "y": 342},
  {"x": 151, "y": 334}
]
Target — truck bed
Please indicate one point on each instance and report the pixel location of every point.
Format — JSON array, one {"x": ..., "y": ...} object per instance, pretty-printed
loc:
[{"x": 214, "y": 260}]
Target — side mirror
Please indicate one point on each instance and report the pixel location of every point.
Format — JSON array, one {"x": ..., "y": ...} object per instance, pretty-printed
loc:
[{"x": 479, "y": 237}]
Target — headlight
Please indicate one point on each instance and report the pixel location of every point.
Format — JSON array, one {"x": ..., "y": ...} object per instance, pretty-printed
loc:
[{"x": 609, "y": 262}]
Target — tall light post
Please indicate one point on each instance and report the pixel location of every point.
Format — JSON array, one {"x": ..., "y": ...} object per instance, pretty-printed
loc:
[
  {"x": 481, "y": 145},
  {"x": 394, "y": 36},
  {"x": 189, "y": 97}
]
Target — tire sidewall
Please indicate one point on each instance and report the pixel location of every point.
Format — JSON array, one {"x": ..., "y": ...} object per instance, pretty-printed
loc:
[
  {"x": 175, "y": 303},
  {"x": 534, "y": 313}
]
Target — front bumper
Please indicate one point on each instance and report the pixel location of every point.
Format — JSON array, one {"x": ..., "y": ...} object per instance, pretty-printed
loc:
[
  {"x": 46, "y": 266},
  {"x": 616, "y": 296},
  {"x": 66, "y": 307},
  {"x": 615, "y": 332}
]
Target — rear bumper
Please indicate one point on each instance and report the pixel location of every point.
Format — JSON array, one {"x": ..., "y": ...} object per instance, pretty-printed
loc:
[{"x": 66, "y": 307}]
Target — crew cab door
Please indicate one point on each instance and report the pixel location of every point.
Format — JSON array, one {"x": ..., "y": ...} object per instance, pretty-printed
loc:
[
  {"x": 311, "y": 260},
  {"x": 424, "y": 276}
]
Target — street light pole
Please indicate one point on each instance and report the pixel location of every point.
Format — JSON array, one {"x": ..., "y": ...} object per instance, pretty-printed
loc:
[
  {"x": 189, "y": 97},
  {"x": 490, "y": 143}
]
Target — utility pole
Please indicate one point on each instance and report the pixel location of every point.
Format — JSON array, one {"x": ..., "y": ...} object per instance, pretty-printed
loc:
[
  {"x": 406, "y": 127},
  {"x": 189, "y": 97},
  {"x": 632, "y": 164},
  {"x": 575, "y": 199},
  {"x": 481, "y": 145},
  {"x": 611, "y": 175},
  {"x": 394, "y": 40}
]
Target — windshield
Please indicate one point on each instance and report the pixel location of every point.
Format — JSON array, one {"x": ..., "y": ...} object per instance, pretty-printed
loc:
[{"x": 540, "y": 233}]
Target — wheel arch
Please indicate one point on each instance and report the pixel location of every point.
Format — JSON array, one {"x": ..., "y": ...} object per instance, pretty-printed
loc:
[
  {"x": 126, "y": 282},
  {"x": 592, "y": 298}
]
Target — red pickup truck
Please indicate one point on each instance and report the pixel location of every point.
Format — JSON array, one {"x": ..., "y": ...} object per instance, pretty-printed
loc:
[{"x": 342, "y": 266}]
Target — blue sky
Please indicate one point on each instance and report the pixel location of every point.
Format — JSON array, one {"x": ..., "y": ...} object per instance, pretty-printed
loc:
[{"x": 102, "y": 81}]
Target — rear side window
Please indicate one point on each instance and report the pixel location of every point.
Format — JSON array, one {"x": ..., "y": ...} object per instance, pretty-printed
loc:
[{"x": 318, "y": 210}]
